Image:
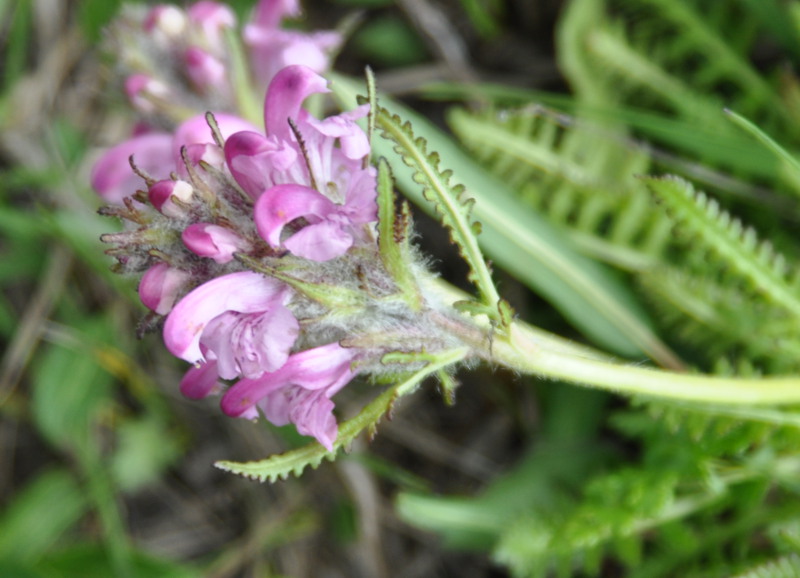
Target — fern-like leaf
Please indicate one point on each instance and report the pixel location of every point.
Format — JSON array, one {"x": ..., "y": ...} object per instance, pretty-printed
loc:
[
  {"x": 450, "y": 201},
  {"x": 785, "y": 567},
  {"x": 736, "y": 246},
  {"x": 581, "y": 176}
]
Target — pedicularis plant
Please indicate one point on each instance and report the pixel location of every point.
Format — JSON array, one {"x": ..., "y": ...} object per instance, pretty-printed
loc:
[{"x": 276, "y": 260}]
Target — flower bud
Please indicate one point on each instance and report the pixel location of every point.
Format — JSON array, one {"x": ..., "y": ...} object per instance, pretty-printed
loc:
[
  {"x": 205, "y": 71},
  {"x": 165, "y": 21},
  {"x": 141, "y": 90},
  {"x": 161, "y": 196},
  {"x": 160, "y": 287},
  {"x": 212, "y": 241}
]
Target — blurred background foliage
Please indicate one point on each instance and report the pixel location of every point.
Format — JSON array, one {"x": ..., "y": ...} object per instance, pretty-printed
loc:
[{"x": 557, "y": 109}]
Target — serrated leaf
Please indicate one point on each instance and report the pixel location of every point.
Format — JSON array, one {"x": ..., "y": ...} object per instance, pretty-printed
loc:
[
  {"x": 785, "y": 567},
  {"x": 734, "y": 244},
  {"x": 449, "y": 199},
  {"x": 393, "y": 237}
]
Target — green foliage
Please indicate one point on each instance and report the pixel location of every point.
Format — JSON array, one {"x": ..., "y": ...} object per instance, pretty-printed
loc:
[{"x": 705, "y": 489}]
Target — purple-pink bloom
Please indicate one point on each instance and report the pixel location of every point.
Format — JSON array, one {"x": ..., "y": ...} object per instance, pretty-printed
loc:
[
  {"x": 212, "y": 18},
  {"x": 272, "y": 49},
  {"x": 323, "y": 179},
  {"x": 112, "y": 177},
  {"x": 159, "y": 153},
  {"x": 298, "y": 393},
  {"x": 240, "y": 320},
  {"x": 208, "y": 240}
]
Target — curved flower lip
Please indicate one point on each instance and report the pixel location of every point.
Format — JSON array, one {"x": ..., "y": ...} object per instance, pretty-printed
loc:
[
  {"x": 112, "y": 177},
  {"x": 243, "y": 292},
  {"x": 329, "y": 233},
  {"x": 285, "y": 96},
  {"x": 252, "y": 158},
  {"x": 354, "y": 141},
  {"x": 284, "y": 203},
  {"x": 201, "y": 381}
]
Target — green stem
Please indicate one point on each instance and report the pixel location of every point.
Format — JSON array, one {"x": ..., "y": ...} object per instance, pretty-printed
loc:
[{"x": 520, "y": 350}]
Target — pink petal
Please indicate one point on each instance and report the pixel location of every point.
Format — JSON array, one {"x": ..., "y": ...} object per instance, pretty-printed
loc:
[
  {"x": 286, "y": 93},
  {"x": 354, "y": 142},
  {"x": 112, "y": 177},
  {"x": 253, "y": 160},
  {"x": 201, "y": 381},
  {"x": 269, "y": 13},
  {"x": 320, "y": 242},
  {"x": 284, "y": 203},
  {"x": 244, "y": 292},
  {"x": 161, "y": 196}
]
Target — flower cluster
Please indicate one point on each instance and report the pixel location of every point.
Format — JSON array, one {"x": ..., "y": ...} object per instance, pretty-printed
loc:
[
  {"x": 175, "y": 63},
  {"x": 258, "y": 249}
]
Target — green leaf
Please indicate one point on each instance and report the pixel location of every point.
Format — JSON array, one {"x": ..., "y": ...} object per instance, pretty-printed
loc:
[
  {"x": 145, "y": 449},
  {"x": 39, "y": 515},
  {"x": 71, "y": 388},
  {"x": 765, "y": 271},
  {"x": 527, "y": 246},
  {"x": 92, "y": 561},
  {"x": 785, "y": 567},
  {"x": 394, "y": 236},
  {"x": 450, "y": 201}
]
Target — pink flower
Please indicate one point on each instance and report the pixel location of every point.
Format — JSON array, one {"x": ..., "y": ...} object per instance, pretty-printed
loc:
[
  {"x": 112, "y": 177},
  {"x": 212, "y": 18},
  {"x": 298, "y": 393},
  {"x": 240, "y": 320},
  {"x": 321, "y": 179},
  {"x": 158, "y": 154},
  {"x": 272, "y": 49}
]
